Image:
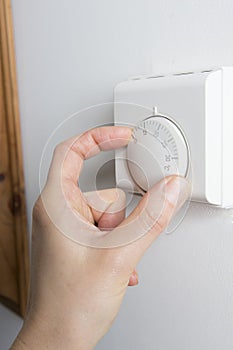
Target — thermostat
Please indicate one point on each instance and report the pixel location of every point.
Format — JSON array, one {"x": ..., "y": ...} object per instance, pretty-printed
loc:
[{"x": 182, "y": 124}]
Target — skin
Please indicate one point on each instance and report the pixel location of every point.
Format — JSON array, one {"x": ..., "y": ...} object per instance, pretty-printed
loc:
[{"x": 76, "y": 291}]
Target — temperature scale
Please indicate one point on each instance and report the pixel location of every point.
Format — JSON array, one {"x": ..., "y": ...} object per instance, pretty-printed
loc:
[{"x": 158, "y": 149}]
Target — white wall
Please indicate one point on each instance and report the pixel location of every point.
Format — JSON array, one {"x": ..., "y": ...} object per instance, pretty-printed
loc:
[{"x": 70, "y": 54}]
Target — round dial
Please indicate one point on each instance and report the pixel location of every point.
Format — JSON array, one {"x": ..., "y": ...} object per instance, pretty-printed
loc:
[{"x": 158, "y": 149}]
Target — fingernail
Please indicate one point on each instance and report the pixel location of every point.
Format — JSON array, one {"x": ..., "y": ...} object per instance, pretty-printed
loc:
[{"x": 177, "y": 191}]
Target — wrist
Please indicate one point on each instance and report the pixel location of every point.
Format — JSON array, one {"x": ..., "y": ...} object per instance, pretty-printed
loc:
[{"x": 39, "y": 335}]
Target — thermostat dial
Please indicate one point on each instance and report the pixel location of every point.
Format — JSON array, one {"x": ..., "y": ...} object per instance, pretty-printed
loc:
[{"x": 158, "y": 148}]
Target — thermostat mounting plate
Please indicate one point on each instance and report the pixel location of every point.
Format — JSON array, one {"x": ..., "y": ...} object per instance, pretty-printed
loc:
[{"x": 201, "y": 103}]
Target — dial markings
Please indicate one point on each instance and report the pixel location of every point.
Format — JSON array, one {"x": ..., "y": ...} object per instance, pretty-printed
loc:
[{"x": 159, "y": 151}]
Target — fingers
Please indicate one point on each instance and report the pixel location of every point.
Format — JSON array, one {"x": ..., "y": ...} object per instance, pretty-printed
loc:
[
  {"x": 107, "y": 206},
  {"x": 69, "y": 155},
  {"x": 62, "y": 182},
  {"x": 150, "y": 217}
]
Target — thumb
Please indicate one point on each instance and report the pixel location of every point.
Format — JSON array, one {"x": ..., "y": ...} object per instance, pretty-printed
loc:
[{"x": 152, "y": 215}]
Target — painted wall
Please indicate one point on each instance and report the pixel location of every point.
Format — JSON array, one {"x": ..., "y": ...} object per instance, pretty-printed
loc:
[{"x": 70, "y": 54}]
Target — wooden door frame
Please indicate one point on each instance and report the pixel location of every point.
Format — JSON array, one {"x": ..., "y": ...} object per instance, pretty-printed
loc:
[{"x": 9, "y": 110}]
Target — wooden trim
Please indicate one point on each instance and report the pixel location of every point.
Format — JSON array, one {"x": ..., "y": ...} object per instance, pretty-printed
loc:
[{"x": 13, "y": 223}]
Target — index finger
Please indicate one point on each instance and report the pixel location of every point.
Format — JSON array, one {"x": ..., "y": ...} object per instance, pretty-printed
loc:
[{"x": 69, "y": 155}]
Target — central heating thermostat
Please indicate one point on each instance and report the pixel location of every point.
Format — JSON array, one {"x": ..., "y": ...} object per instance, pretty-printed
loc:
[{"x": 182, "y": 124}]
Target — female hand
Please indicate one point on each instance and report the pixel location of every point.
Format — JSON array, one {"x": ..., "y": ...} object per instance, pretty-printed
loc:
[{"x": 76, "y": 290}]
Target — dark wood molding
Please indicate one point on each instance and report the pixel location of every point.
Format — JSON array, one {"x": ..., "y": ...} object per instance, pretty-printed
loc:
[{"x": 14, "y": 257}]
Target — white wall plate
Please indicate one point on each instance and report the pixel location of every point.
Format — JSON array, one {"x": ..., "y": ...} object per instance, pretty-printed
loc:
[{"x": 196, "y": 110}]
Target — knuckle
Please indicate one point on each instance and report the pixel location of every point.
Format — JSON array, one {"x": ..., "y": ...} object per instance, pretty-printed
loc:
[{"x": 59, "y": 148}]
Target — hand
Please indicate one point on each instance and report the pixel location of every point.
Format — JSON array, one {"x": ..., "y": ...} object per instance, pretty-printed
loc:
[{"x": 76, "y": 290}]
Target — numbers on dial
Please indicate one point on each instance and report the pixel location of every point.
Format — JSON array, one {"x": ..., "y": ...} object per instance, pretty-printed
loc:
[
  {"x": 158, "y": 149},
  {"x": 151, "y": 127}
]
